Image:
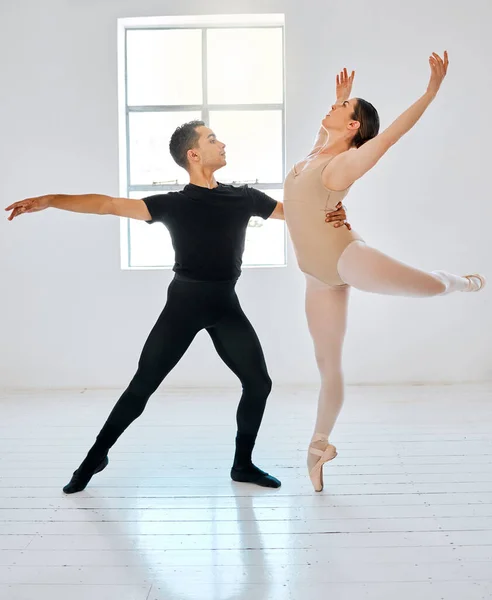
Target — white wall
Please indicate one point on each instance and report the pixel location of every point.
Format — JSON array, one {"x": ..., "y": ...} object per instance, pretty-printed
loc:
[{"x": 70, "y": 317}]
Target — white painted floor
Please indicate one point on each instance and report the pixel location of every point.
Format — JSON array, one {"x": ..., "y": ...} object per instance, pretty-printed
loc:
[{"x": 406, "y": 512}]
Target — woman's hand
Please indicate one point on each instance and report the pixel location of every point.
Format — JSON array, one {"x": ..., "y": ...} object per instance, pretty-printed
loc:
[
  {"x": 439, "y": 68},
  {"x": 344, "y": 85}
]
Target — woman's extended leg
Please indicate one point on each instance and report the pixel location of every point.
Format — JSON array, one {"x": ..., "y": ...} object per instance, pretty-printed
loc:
[{"x": 369, "y": 270}]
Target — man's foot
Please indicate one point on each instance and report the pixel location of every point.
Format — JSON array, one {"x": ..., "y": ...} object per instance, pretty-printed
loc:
[
  {"x": 80, "y": 480},
  {"x": 252, "y": 474}
]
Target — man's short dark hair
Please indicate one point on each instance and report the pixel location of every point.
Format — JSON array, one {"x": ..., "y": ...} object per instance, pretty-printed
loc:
[{"x": 183, "y": 139}]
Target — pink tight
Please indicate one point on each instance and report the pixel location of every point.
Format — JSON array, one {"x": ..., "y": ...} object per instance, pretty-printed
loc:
[{"x": 366, "y": 269}]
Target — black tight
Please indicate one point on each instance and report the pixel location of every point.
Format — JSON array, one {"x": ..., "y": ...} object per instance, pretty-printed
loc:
[{"x": 192, "y": 306}]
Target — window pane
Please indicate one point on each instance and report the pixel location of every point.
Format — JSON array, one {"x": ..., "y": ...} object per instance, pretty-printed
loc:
[
  {"x": 245, "y": 66},
  {"x": 265, "y": 240},
  {"x": 164, "y": 67},
  {"x": 150, "y": 245},
  {"x": 254, "y": 145},
  {"x": 150, "y": 132}
]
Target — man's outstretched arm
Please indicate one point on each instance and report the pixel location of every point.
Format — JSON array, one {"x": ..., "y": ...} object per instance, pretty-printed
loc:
[{"x": 97, "y": 204}]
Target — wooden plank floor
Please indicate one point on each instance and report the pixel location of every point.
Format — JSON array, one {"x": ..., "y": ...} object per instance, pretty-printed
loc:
[{"x": 406, "y": 512}]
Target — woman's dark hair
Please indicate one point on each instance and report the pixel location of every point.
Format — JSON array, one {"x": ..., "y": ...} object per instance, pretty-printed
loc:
[
  {"x": 183, "y": 139},
  {"x": 368, "y": 117}
]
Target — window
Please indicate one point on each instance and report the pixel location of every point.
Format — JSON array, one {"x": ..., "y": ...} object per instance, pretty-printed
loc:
[{"x": 226, "y": 71}]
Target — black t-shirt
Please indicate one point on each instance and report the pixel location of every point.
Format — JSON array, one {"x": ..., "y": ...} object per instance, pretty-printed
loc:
[{"x": 208, "y": 227}]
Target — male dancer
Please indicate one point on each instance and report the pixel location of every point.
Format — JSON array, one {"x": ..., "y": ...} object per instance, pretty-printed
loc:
[{"x": 207, "y": 222}]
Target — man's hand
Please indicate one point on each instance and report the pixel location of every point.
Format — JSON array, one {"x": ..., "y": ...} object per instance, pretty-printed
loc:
[
  {"x": 29, "y": 205},
  {"x": 338, "y": 217},
  {"x": 344, "y": 85}
]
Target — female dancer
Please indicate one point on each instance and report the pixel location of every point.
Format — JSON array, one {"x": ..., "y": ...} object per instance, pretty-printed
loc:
[{"x": 348, "y": 146}]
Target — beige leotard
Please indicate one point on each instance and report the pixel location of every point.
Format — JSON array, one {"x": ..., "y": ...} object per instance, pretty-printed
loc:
[{"x": 318, "y": 245}]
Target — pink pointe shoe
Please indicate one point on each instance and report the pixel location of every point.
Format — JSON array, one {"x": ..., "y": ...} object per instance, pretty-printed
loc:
[
  {"x": 316, "y": 473},
  {"x": 477, "y": 282}
]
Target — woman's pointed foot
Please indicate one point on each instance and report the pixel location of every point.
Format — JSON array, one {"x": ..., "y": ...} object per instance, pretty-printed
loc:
[{"x": 325, "y": 453}]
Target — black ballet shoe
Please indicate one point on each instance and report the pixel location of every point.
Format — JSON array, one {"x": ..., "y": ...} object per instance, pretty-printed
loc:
[
  {"x": 79, "y": 480},
  {"x": 254, "y": 475}
]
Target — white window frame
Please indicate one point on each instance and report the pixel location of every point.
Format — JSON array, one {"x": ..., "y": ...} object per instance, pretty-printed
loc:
[{"x": 202, "y": 22}]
